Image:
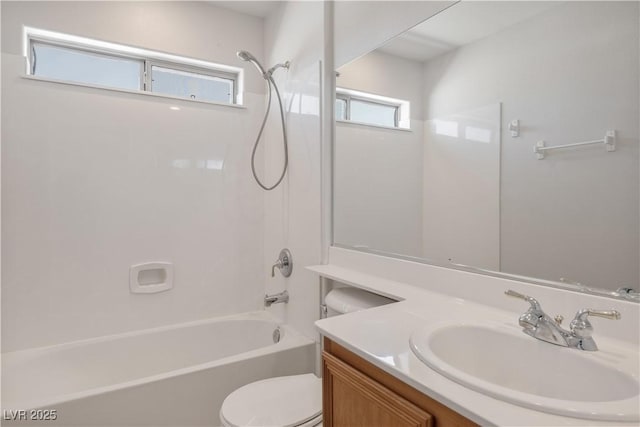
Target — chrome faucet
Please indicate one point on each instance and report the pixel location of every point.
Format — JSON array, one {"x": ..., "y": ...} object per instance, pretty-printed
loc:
[
  {"x": 539, "y": 325},
  {"x": 276, "y": 298}
]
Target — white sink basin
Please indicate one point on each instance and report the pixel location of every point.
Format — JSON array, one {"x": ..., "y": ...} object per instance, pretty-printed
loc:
[{"x": 503, "y": 362}]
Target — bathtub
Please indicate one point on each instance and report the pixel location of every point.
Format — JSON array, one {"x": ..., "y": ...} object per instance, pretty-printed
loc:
[{"x": 170, "y": 376}]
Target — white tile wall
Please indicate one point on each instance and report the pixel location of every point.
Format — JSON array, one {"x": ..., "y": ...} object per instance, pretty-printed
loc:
[{"x": 94, "y": 181}]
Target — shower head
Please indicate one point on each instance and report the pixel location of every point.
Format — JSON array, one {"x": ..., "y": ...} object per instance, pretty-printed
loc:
[{"x": 246, "y": 56}]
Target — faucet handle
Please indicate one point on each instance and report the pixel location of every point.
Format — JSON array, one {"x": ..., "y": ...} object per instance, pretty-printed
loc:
[
  {"x": 278, "y": 264},
  {"x": 580, "y": 325},
  {"x": 535, "y": 305},
  {"x": 607, "y": 314}
]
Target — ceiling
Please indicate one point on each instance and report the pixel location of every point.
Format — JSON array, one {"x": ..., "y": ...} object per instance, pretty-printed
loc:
[
  {"x": 461, "y": 24},
  {"x": 255, "y": 8}
]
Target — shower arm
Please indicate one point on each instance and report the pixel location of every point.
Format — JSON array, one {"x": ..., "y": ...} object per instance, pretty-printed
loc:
[{"x": 275, "y": 67}]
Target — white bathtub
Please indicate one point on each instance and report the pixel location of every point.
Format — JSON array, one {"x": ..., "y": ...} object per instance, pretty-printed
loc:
[{"x": 170, "y": 376}]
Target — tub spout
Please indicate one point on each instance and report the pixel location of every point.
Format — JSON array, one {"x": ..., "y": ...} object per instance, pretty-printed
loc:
[{"x": 276, "y": 298}]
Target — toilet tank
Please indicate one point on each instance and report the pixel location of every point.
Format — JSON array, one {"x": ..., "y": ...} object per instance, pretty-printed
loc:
[{"x": 347, "y": 300}]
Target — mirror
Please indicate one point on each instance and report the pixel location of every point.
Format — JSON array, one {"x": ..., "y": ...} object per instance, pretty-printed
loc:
[{"x": 499, "y": 137}]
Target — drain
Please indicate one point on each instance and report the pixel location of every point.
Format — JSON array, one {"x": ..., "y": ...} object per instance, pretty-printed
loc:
[{"x": 276, "y": 335}]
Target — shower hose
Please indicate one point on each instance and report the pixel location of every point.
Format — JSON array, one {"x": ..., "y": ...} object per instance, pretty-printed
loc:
[{"x": 270, "y": 83}]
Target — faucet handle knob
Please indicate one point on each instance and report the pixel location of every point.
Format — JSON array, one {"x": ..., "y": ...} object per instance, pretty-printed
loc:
[
  {"x": 581, "y": 326},
  {"x": 278, "y": 264},
  {"x": 607, "y": 314},
  {"x": 535, "y": 305}
]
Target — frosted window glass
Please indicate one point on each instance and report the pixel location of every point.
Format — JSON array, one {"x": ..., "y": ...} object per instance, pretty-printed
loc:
[
  {"x": 55, "y": 62},
  {"x": 374, "y": 114},
  {"x": 190, "y": 85},
  {"x": 341, "y": 109}
]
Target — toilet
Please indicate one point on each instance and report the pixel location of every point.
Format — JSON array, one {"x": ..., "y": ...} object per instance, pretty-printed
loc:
[{"x": 294, "y": 400}]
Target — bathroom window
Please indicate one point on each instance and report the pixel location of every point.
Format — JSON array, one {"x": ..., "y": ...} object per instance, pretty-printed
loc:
[
  {"x": 78, "y": 60},
  {"x": 185, "y": 83},
  {"x": 370, "y": 109},
  {"x": 91, "y": 68}
]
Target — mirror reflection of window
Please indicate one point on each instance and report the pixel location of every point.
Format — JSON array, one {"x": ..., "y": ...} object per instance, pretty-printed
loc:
[
  {"x": 365, "y": 108},
  {"x": 371, "y": 113},
  {"x": 341, "y": 109}
]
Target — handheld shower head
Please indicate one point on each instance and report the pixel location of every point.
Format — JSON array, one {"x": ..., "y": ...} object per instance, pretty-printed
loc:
[{"x": 246, "y": 56}]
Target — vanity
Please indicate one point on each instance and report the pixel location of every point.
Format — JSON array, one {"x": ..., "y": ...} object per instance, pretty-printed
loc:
[
  {"x": 356, "y": 392},
  {"x": 491, "y": 151},
  {"x": 444, "y": 356}
]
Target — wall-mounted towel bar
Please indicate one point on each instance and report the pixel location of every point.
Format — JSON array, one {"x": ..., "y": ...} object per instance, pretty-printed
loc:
[{"x": 609, "y": 142}]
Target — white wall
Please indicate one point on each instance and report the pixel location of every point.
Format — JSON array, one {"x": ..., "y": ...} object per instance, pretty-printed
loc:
[
  {"x": 94, "y": 181},
  {"x": 575, "y": 213},
  {"x": 383, "y": 167},
  {"x": 295, "y": 32},
  {"x": 461, "y": 197}
]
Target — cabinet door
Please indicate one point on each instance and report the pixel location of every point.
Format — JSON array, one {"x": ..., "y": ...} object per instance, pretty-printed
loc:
[{"x": 352, "y": 399}]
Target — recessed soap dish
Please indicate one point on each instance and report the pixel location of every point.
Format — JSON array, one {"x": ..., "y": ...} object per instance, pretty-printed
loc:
[{"x": 150, "y": 277}]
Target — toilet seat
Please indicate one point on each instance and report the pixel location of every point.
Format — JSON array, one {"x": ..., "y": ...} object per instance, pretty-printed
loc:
[{"x": 291, "y": 401}]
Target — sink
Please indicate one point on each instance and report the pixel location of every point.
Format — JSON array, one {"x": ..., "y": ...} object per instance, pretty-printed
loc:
[{"x": 501, "y": 361}]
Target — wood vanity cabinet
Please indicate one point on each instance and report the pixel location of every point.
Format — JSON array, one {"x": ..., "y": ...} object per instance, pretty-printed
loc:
[{"x": 356, "y": 393}]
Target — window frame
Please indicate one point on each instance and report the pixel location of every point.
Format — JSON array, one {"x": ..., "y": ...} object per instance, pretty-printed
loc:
[
  {"x": 147, "y": 58},
  {"x": 401, "y": 108}
]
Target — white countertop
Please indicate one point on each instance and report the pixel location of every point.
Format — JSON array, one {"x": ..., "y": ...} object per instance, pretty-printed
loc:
[{"x": 381, "y": 336}]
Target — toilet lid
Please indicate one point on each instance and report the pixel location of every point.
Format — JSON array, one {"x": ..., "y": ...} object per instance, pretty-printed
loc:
[{"x": 283, "y": 401}]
